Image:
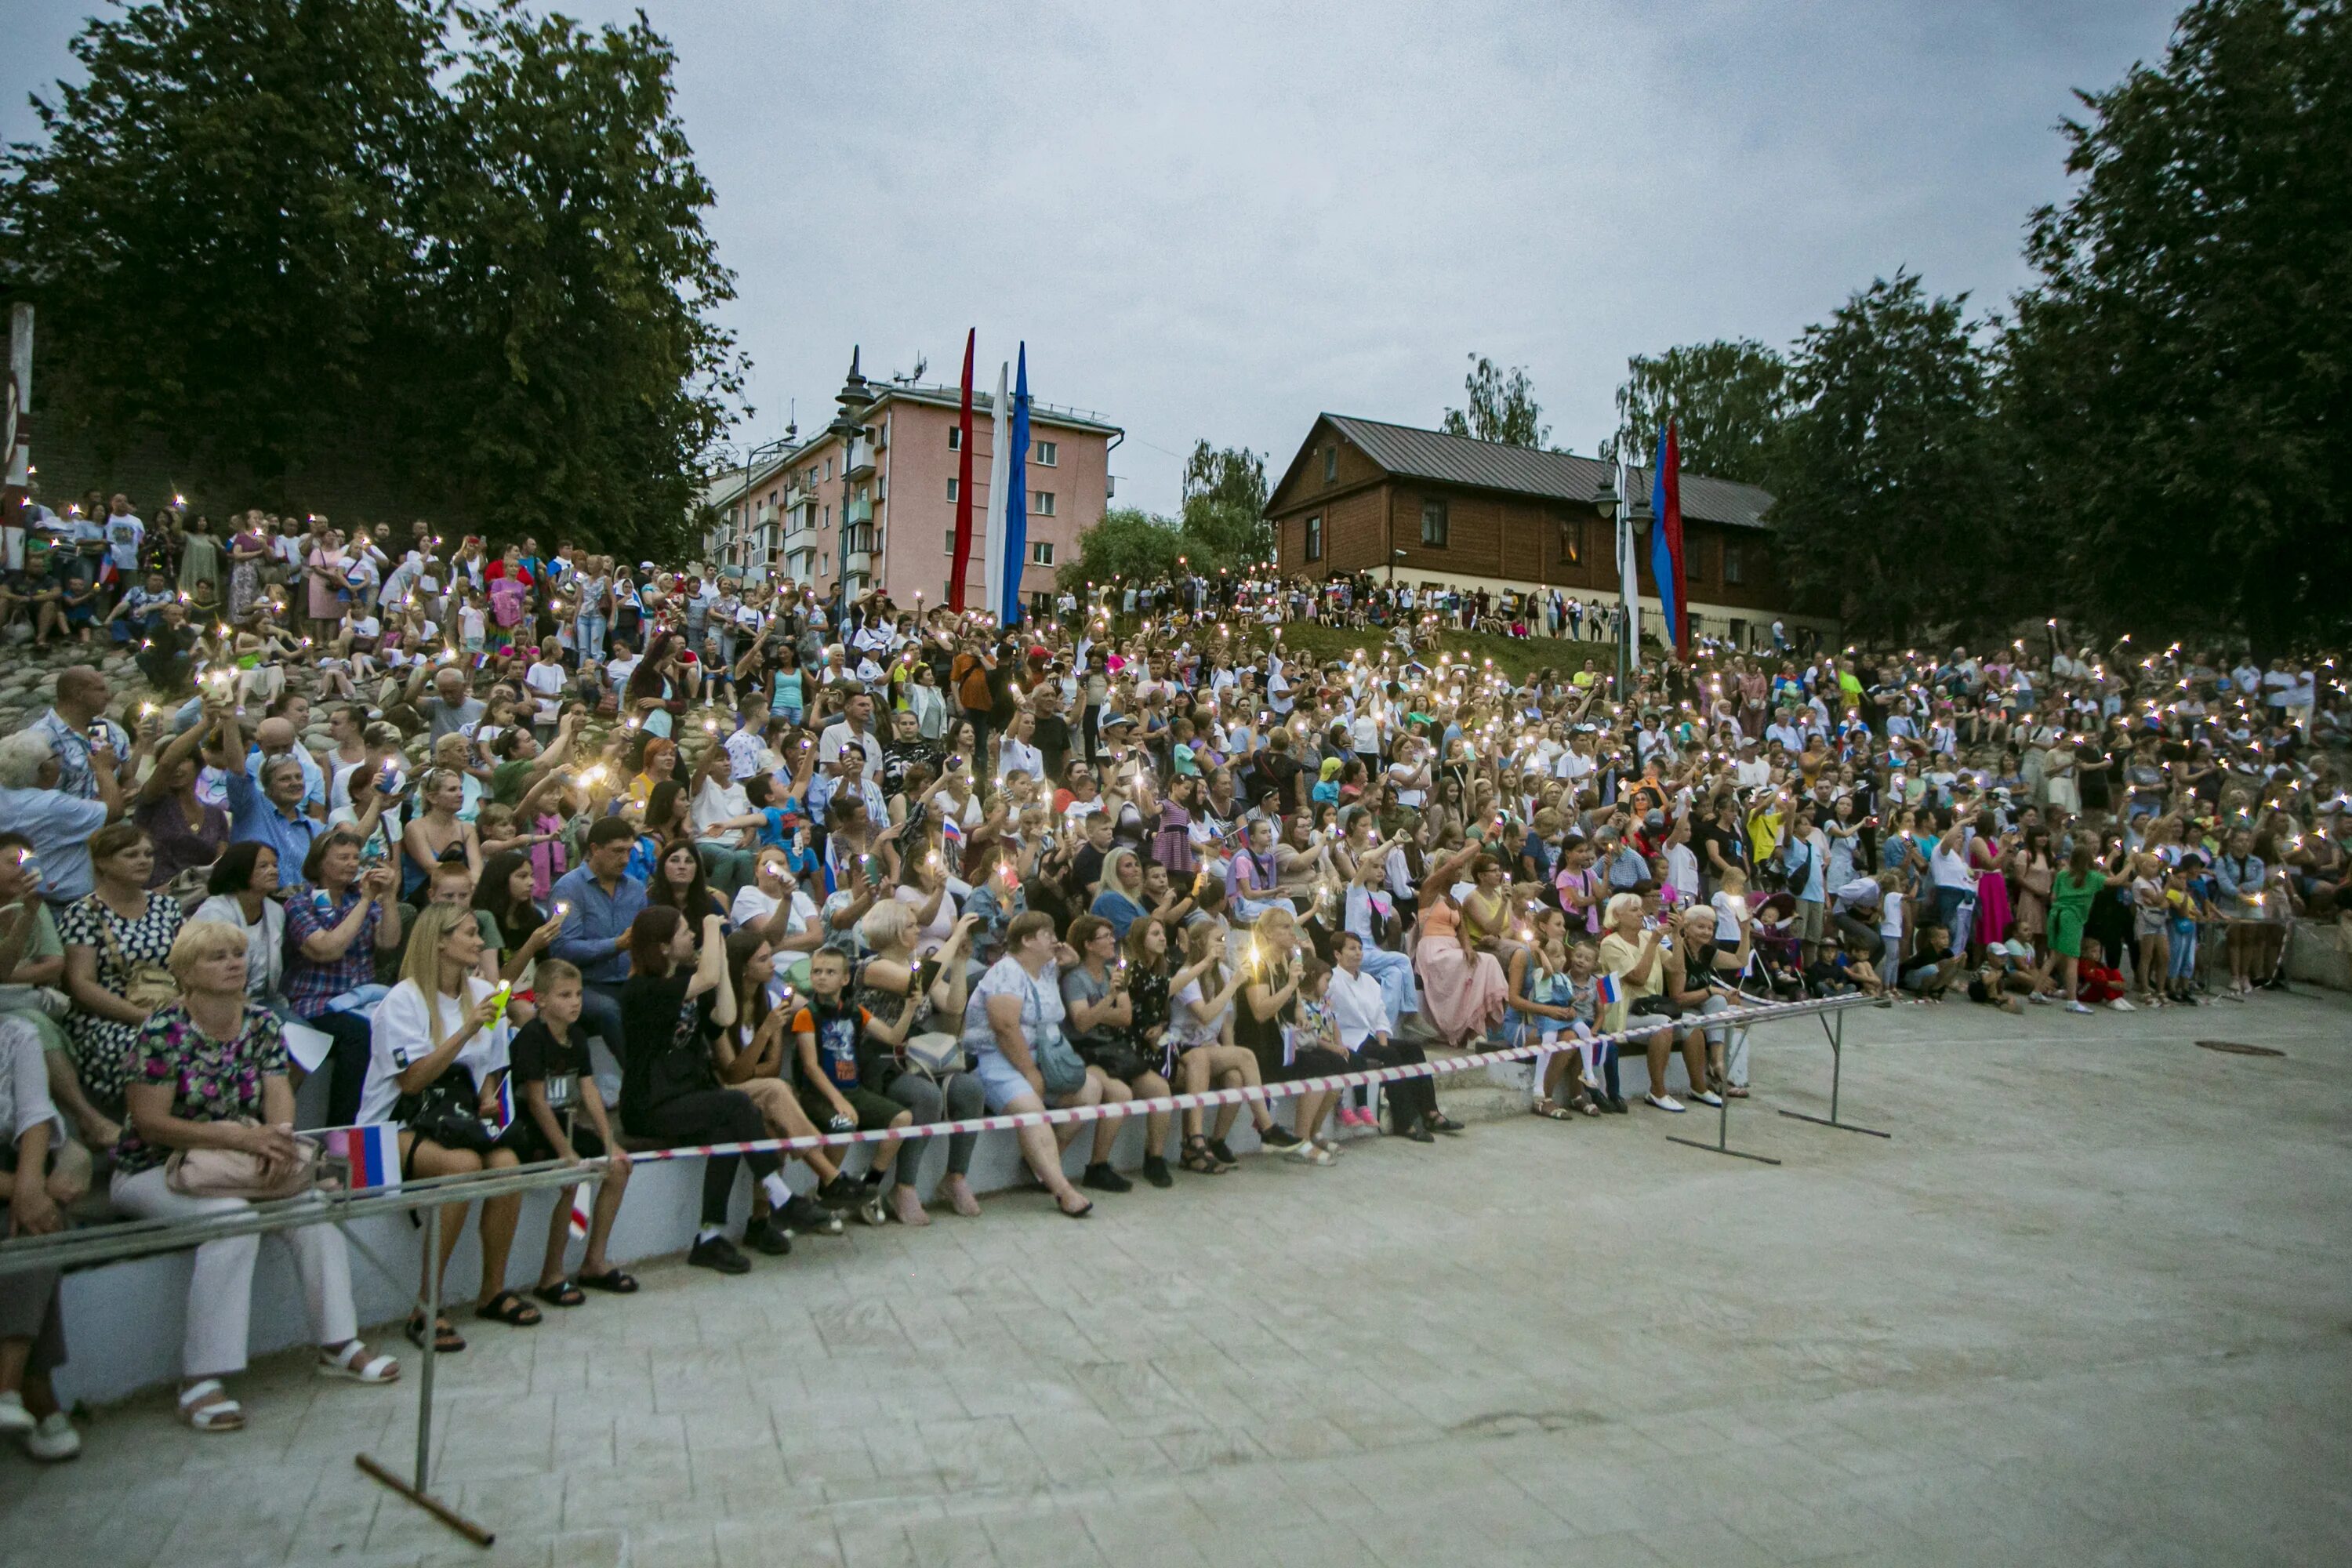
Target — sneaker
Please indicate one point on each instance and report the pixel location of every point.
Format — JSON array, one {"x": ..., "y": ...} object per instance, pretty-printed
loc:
[
  {"x": 1664, "y": 1102},
  {"x": 1155, "y": 1170},
  {"x": 13, "y": 1417},
  {"x": 1224, "y": 1155},
  {"x": 2037, "y": 998},
  {"x": 1614, "y": 1105},
  {"x": 719, "y": 1255},
  {"x": 2077, "y": 1008},
  {"x": 1709, "y": 1098},
  {"x": 803, "y": 1216},
  {"x": 2122, "y": 1005},
  {"x": 840, "y": 1193},
  {"x": 1280, "y": 1136},
  {"x": 53, "y": 1439},
  {"x": 870, "y": 1210},
  {"x": 1103, "y": 1179},
  {"x": 770, "y": 1236}
]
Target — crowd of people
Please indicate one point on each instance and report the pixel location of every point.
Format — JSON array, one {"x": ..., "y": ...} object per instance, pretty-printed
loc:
[{"x": 596, "y": 861}]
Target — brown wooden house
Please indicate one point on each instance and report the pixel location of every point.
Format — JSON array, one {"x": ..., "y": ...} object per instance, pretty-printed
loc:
[{"x": 1440, "y": 510}]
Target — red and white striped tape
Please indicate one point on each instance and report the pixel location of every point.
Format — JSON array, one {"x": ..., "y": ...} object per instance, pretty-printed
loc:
[{"x": 1740, "y": 1017}]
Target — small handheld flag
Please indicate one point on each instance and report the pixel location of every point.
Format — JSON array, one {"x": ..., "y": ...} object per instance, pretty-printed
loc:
[
  {"x": 373, "y": 1152},
  {"x": 1606, "y": 990},
  {"x": 579, "y": 1217}
]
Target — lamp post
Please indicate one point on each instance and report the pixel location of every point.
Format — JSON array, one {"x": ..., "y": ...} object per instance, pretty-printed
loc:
[
  {"x": 849, "y": 427},
  {"x": 1629, "y": 637},
  {"x": 1605, "y": 501}
]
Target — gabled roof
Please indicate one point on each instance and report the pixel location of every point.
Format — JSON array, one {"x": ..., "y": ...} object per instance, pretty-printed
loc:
[{"x": 1411, "y": 452}]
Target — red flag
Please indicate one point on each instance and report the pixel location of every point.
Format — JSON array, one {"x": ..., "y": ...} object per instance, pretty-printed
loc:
[{"x": 963, "y": 482}]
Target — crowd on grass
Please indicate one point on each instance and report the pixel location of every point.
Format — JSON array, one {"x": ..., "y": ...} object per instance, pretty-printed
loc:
[{"x": 596, "y": 861}]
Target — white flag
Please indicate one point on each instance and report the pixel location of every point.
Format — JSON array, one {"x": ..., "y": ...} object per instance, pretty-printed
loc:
[
  {"x": 1632, "y": 630},
  {"x": 993, "y": 535}
]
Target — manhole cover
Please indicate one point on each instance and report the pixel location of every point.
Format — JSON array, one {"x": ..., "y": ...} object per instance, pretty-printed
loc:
[{"x": 2238, "y": 1048}]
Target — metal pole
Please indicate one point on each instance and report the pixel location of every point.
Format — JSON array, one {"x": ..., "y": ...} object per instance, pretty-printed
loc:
[
  {"x": 431, "y": 1347},
  {"x": 1834, "y": 1027},
  {"x": 1722, "y": 1144}
]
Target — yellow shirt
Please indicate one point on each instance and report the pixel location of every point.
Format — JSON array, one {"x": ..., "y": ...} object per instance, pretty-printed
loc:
[{"x": 1619, "y": 957}]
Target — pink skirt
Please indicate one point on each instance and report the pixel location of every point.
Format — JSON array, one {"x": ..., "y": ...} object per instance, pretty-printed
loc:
[
  {"x": 1466, "y": 992},
  {"x": 1993, "y": 916}
]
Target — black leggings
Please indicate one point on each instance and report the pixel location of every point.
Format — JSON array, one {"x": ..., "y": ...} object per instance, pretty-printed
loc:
[
  {"x": 1410, "y": 1099},
  {"x": 346, "y": 1063},
  {"x": 712, "y": 1115}
]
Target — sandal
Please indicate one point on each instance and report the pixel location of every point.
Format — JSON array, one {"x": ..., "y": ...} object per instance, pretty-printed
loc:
[
  {"x": 206, "y": 1407},
  {"x": 507, "y": 1308},
  {"x": 1551, "y": 1110},
  {"x": 562, "y": 1293},
  {"x": 1079, "y": 1212},
  {"x": 1200, "y": 1159},
  {"x": 354, "y": 1363},
  {"x": 613, "y": 1280},
  {"x": 446, "y": 1340}
]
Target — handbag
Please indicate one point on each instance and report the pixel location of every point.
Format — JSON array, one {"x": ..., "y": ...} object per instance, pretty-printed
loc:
[
  {"x": 1118, "y": 1059},
  {"x": 1058, "y": 1065},
  {"x": 934, "y": 1056},
  {"x": 239, "y": 1173},
  {"x": 444, "y": 1113},
  {"x": 146, "y": 984}
]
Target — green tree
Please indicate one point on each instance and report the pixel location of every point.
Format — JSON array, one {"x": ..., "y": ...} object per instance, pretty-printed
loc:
[
  {"x": 218, "y": 224},
  {"x": 1127, "y": 542},
  {"x": 1503, "y": 407},
  {"x": 1224, "y": 521},
  {"x": 571, "y": 277},
  {"x": 454, "y": 251},
  {"x": 1890, "y": 494},
  {"x": 1727, "y": 399},
  {"x": 2178, "y": 373}
]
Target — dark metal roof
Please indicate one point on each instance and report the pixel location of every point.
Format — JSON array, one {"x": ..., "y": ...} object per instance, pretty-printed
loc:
[{"x": 1406, "y": 450}]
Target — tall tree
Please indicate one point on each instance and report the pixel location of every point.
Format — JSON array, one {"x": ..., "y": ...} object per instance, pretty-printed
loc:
[
  {"x": 2179, "y": 372},
  {"x": 1503, "y": 407},
  {"x": 1225, "y": 507},
  {"x": 453, "y": 250},
  {"x": 217, "y": 224},
  {"x": 1132, "y": 543},
  {"x": 1890, "y": 495},
  {"x": 1727, "y": 399},
  {"x": 571, "y": 277}
]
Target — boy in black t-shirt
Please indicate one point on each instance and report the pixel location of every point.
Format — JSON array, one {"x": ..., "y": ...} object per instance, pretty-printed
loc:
[
  {"x": 832, "y": 1036},
  {"x": 561, "y": 1116}
]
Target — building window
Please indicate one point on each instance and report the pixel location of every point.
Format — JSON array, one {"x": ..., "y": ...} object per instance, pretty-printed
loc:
[
  {"x": 1433, "y": 524},
  {"x": 828, "y": 518},
  {"x": 1572, "y": 540},
  {"x": 1735, "y": 563},
  {"x": 812, "y": 476},
  {"x": 1330, "y": 465},
  {"x": 950, "y": 542},
  {"x": 1040, "y": 606},
  {"x": 952, "y": 490},
  {"x": 1315, "y": 539},
  {"x": 1693, "y": 559},
  {"x": 1040, "y": 503},
  {"x": 1041, "y": 554},
  {"x": 1049, "y": 453},
  {"x": 955, "y": 438}
]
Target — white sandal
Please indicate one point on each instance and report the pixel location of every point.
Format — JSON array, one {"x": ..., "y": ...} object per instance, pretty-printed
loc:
[
  {"x": 354, "y": 1363},
  {"x": 206, "y": 1407}
]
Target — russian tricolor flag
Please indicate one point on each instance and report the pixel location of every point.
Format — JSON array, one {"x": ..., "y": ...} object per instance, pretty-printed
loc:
[
  {"x": 373, "y": 1151},
  {"x": 1606, "y": 990}
]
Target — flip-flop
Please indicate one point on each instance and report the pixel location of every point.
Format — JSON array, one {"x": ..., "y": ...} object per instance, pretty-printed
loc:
[
  {"x": 1077, "y": 1213},
  {"x": 614, "y": 1282},
  {"x": 507, "y": 1308}
]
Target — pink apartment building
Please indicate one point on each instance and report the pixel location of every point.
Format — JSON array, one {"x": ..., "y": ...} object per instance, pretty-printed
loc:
[{"x": 896, "y": 492}]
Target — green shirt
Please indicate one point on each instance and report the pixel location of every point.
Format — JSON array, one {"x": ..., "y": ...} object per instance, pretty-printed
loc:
[
  {"x": 509, "y": 781},
  {"x": 2066, "y": 898}
]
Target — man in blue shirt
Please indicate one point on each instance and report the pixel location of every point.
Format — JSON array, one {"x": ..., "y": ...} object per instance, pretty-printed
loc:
[
  {"x": 265, "y": 800},
  {"x": 599, "y": 901}
]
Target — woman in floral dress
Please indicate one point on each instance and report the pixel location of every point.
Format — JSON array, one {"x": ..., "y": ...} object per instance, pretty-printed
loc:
[{"x": 119, "y": 928}]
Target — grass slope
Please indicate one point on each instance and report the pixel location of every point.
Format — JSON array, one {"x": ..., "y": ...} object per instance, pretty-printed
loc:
[{"x": 1517, "y": 656}]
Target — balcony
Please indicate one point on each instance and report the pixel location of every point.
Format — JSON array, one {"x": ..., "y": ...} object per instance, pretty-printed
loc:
[
  {"x": 860, "y": 509},
  {"x": 800, "y": 523},
  {"x": 860, "y": 461}
]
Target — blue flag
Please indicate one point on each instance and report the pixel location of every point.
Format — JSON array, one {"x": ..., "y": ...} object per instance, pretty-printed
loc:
[{"x": 1016, "y": 498}]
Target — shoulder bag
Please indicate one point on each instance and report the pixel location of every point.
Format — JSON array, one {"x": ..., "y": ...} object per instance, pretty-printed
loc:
[{"x": 146, "y": 984}]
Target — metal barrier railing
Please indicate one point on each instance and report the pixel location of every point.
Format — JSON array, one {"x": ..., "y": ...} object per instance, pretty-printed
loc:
[{"x": 114, "y": 1243}]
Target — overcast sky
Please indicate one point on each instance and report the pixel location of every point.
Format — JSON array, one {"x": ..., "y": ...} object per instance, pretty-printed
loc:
[{"x": 1215, "y": 219}]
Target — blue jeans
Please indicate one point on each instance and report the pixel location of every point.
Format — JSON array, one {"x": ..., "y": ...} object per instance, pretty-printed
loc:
[
  {"x": 1394, "y": 971},
  {"x": 590, "y": 636}
]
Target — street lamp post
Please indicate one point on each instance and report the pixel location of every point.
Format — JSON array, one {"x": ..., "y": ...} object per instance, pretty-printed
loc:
[
  {"x": 847, "y": 426},
  {"x": 1629, "y": 637},
  {"x": 1605, "y": 501}
]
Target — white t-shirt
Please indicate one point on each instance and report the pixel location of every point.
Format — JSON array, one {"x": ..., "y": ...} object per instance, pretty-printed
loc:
[
  {"x": 123, "y": 536},
  {"x": 547, "y": 680},
  {"x": 265, "y": 938},
  {"x": 403, "y": 1032},
  {"x": 752, "y": 906},
  {"x": 618, "y": 671}
]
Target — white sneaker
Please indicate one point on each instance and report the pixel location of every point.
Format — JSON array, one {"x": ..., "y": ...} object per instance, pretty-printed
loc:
[
  {"x": 1709, "y": 1098},
  {"x": 13, "y": 1417},
  {"x": 54, "y": 1439},
  {"x": 2076, "y": 1007},
  {"x": 1664, "y": 1102},
  {"x": 2037, "y": 998},
  {"x": 2120, "y": 1005}
]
